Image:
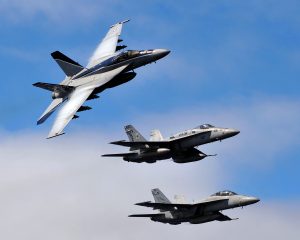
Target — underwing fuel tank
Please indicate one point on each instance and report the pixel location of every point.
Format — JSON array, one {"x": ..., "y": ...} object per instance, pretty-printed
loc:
[
  {"x": 160, "y": 153},
  {"x": 120, "y": 79},
  {"x": 189, "y": 158}
]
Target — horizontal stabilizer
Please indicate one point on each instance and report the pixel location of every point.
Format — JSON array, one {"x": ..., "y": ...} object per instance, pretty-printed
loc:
[
  {"x": 52, "y": 107},
  {"x": 147, "y": 215},
  {"x": 69, "y": 66},
  {"x": 53, "y": 87},
  {"x": 119, "y": 155}
]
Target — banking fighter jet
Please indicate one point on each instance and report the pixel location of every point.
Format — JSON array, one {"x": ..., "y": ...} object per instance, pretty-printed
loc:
[
  {"x": 180, "y": 147},
  {"x": 207, "y": 210},
  {"x": 107, "y": 68}
]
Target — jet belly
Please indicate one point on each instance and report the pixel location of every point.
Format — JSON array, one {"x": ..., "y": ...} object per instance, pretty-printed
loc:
[
  {"x": 204, "y": 219},
  {"x": 151, "y": 156},
  {"x": 169, "y": 217}
]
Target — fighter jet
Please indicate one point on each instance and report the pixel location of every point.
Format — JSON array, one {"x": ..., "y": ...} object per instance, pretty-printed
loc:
[
  {"x": 107, "y": 68},
  {"x": 180, "y": 147},
  {"x": 203, "y": 211}
]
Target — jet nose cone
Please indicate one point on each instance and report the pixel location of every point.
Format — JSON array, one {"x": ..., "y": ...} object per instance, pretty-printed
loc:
[
  {"x": 160, "y": 53},
  {"x": 232, "y": 132},
  {"x": 250, "y": 200}
]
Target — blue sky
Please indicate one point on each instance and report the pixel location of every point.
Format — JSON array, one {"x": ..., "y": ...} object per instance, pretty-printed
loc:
[{"x": 233, "y": 64}]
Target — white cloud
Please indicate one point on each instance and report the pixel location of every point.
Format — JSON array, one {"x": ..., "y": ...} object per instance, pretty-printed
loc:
[{"x": 63, "y": 189}]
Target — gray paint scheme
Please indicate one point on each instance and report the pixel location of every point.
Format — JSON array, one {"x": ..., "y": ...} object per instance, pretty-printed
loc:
[
  {"x": 107, "y": 68},
  {"x": 180, "y": 147},
  {"x": 203, "y": 211}
]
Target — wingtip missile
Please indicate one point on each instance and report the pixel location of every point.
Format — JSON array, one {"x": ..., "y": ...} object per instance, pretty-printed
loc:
[{"x": 125, "y": 21}]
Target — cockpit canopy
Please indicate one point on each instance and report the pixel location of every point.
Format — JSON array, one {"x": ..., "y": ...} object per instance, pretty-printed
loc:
[
  {"x": 224, "y": 193},
  {"x": 130, "y": 54},
  {"x": 205, "y": 126}
]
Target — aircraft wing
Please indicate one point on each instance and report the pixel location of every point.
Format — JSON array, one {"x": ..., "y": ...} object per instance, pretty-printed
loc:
[
  {"x": 67, "y": 112},
  {"x": 170, "y": 206},
  {"x": 77, "y": 98},
  {"x": 52, "y": 87},
  {"x": 108, "y": 45},
  {"x": 119, "y": 155},
  {"x": 154, "y": 144}
]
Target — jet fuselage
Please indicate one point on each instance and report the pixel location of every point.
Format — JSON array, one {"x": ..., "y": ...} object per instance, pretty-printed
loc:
[
  {"x": 188, "y": 140},
  {"x": 208, "y": 213},
  {"x": 133, "y": 58}
]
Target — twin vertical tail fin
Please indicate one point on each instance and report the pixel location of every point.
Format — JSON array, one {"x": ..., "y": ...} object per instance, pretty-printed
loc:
[
  {"x": 69, "y": 66},
  {"x": 155, "y": 135},
  {"x": 159, "y": 197},
  {"x": 134, "y": 136}
]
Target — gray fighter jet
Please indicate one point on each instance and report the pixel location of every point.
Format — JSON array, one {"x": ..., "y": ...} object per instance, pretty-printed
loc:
[
  {"x": 180, "y": 147},
  {"x": 203, "y": 211},
  {"x": 107, "y": 68}
]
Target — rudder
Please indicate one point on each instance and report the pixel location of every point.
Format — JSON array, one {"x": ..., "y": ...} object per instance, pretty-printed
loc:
[
  {"x": 155, "y": 135},
  {"x": 133, "y": 134},
  {"x": 69, "y": 66},
  {"x": 159, "y": 197}
]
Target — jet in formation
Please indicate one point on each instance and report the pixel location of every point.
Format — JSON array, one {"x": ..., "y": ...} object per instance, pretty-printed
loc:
[
  {"x": 107, "y": 68},
  {"x": 207, "y": 210},
  {"x": 180, "y": 147}
]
